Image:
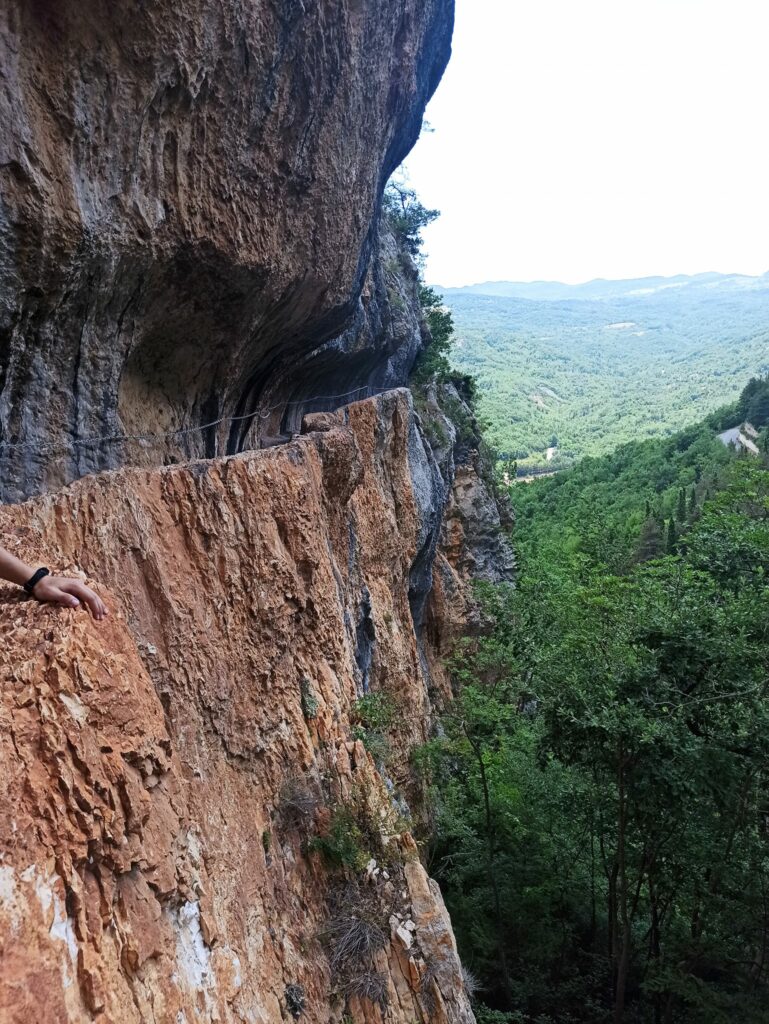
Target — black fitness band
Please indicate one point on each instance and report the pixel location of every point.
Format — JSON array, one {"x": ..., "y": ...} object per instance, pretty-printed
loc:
[{"x": 33, "y": 581}]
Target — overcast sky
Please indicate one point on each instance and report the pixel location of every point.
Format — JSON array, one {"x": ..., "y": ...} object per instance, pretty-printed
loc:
[{"x": 599, "y": 138}]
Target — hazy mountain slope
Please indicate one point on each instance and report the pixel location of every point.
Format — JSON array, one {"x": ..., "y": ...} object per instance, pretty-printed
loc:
[
  {"x": 592, "y": 373},
  {"x": 600, "y": 288}
]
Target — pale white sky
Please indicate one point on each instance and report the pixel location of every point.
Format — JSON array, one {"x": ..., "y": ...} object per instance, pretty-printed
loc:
[{"x": 599, "y": 138}]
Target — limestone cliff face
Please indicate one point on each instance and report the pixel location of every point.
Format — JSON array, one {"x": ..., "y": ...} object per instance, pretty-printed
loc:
[
  {"x": 473, "y": 538},
  {"x": 476, "y": 518},
  {"x": 188, "y": 212},
  {"x": 193, "y": 829},
  {"x": 172, "y": 777}
]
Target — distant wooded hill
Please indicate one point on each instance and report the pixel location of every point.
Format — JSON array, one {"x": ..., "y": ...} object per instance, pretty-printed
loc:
[{"x": 588, "y": 367}]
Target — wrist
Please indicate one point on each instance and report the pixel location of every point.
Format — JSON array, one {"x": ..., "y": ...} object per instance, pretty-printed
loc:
[{"x": 35, "y": 578}]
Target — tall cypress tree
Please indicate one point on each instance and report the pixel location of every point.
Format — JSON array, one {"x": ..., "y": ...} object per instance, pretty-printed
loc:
[
  {"x": 650, "y": 540},
  {"x": 681, "y": 510},
  {"x": 672, "y": 539}
]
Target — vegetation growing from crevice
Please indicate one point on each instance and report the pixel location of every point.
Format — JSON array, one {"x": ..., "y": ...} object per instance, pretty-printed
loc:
[
  {"x": 446, "y": 398},
  {"x": 309, "y": 701},
  {"x": 342, "y": 843},
  {"x": 407, "y": 217},
  {"x": 299, "y": 801},
  {"x": 349, "y": 834},
  {"x": 433, "y": 362},
  {"x": 357, "y": 931},
  {"x": 372, "y": 717},
  {"x": 369, "y": 985},
  {"x": 599, "y": 782}
]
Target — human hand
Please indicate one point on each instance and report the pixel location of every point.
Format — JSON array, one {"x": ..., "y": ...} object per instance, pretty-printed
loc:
[{"x": 70, "y": 593}]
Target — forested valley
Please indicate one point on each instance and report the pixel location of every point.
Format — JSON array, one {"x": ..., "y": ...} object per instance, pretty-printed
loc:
[
  {"x": 599, "y": 820},
  {"x": 582, "y": 370},
  {"x": 597, "y": 808}
]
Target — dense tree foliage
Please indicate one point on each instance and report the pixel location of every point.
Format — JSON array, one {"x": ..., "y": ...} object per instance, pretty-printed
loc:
[
  {"x": 592, "y": 374},
  {"x": 754, "y": 401},
  {"x": 600, "y": 821},
  {"x": 636, "y": 493},
  {"x": 601, "y": 825},
  {"x": 433, "y": 361},
  {"x": 407, "y": 216}
]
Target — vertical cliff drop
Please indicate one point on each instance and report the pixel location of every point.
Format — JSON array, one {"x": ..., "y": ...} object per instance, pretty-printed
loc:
[
  {"x": 167, "y": 773},
  {"x": 190, "y": 235}
]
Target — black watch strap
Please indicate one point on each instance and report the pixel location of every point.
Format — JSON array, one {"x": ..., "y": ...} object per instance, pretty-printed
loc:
[{"x": 33, "y": 581}]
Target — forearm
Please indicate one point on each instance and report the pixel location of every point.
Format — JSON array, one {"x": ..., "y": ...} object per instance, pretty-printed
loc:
[{"x": 13, "y": 569}]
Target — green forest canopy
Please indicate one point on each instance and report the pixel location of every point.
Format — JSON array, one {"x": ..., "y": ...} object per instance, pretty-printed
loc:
[
  {"x": 599, "y": 783},
  {"x": 597, "y": 787},
  {"x": 620, "y": 362}
]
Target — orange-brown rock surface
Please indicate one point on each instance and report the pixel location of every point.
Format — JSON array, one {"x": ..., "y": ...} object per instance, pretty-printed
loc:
[{"x": 170, "y": 776}]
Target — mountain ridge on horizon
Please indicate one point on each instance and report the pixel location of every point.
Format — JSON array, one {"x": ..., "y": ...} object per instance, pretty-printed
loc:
[{"x": 608, "y": 288}]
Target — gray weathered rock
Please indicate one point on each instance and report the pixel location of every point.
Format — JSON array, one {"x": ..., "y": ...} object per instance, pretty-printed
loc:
[
  {"x": 188, "y": 209},
  {"x": 475, "y": 519}
]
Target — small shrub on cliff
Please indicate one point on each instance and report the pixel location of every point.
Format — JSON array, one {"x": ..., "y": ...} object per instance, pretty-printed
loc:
[
  {"x": 432, "y": 424},
  {"x": 374, "y": 711},
  {"x": 461, "y": 415},
  {"x": 406, "y": 216},
  {"x": 372, "y": 715},
  {"x": 375, "y": 743},
  {"x": 342, "y": 843}
]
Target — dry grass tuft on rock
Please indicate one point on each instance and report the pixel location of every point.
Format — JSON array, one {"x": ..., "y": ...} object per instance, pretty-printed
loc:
[
  {"x": 471, "y": 982},
  {"x": 355, "y": 933},
  {"x": 428, "y": 986},
  {"x": 353, "y": 938},
  {"x": 370, "y": 985},
  {"x": 298, "y": 803}
]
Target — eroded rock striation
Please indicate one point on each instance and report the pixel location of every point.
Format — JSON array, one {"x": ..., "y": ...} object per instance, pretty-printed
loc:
[
  {"x": 189, "y": 200},
  {"x": 175, "y": 779}
]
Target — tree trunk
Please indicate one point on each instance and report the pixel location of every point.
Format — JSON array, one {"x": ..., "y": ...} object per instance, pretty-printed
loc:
[
  {"x": 491, "y": 872},
  {"x": 623, "y": 961}
]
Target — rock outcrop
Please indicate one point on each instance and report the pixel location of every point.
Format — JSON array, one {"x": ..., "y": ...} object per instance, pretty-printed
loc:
[
  {"x": 189, "y": 200},
  {"x": 473, "y": 538},
  {"x": 179, "y": 780},
  {"x": 477, "y": 517}
]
